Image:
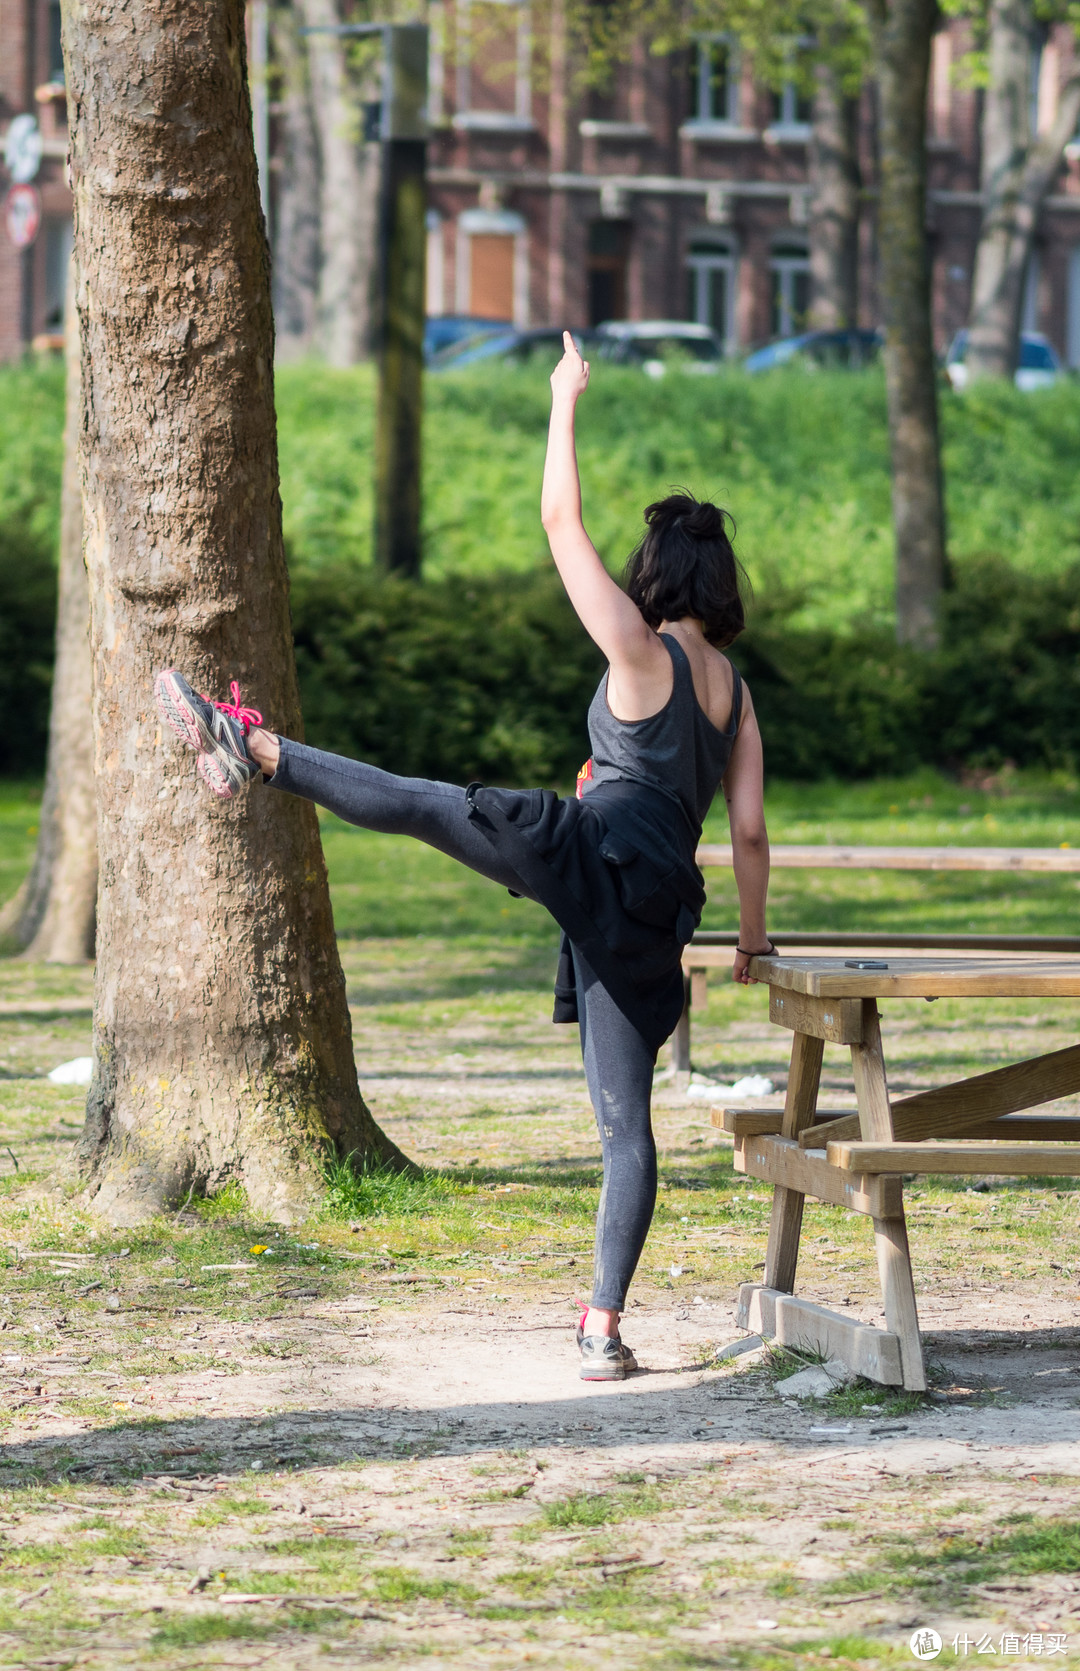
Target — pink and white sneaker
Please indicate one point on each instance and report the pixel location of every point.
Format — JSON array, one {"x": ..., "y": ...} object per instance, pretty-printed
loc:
[{"x": 217, "y": 731}]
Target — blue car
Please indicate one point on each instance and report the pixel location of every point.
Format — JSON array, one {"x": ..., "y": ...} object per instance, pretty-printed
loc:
[
  {"x": 443, "y": 330},
  {"x": 849, "y": 349},
  {"x": 508, "y": 346}
]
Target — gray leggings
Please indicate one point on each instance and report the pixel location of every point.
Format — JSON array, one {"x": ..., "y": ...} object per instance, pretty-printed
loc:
[{"x": 618, "y": 1062}]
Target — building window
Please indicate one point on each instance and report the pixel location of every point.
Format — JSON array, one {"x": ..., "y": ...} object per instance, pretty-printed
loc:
[
  {"x": 1072, "y": 321},
  {"x": 790, "y": 267},
  {"x": 494, "y": 54},
  {"x": 434, "y": 276},
  {"x": 492, "y": 265},
  {"x": 1029, "y": 306},
  {"x": 714, "y": 80},
  {"x": 56, "y": 52},
  {"x": 606, "y": 269},
  {"x": 792, "y": 103},
  {"x": 710, "y": 266},
  {"x": 59, "y": 240}
]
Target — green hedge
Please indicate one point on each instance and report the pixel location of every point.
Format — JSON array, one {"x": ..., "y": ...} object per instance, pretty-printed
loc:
[{"x": 491, "y": 677}]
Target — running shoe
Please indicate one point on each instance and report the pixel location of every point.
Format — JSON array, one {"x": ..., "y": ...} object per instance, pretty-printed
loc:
[
  {"x": 215, "y": 730},
  {"x": 605, "y": 1359}
]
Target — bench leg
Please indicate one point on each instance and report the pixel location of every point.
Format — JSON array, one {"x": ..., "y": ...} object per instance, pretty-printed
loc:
[
  {"x": 898, "y": 1291},
  {"x": 680, "y": 1038},
  {"x": 800, "y": 1105}
]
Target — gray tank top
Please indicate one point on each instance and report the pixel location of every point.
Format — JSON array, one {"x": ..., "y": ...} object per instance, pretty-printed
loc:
[{"x": 678, "y": 750}]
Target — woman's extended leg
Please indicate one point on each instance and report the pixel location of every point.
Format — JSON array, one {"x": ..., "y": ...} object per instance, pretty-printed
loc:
[
  {"x": 433, "y": 812},
  {"x": 619, "y": 1068}
]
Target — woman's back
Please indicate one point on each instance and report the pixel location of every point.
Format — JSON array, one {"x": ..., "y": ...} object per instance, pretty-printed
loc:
[{"x": 678, "y": 749}]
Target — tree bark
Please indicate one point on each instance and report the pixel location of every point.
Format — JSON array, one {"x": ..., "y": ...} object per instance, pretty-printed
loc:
[
  {"x": 52, "y": 916},
  {"x": 834, "y": 204},
  {"x": 1018, "y": 169},
  {"x": 901, "y": 32},
  {"x": 222, "y": 1041},
  {"x": 348, "y": 200},
  {"x": 296, "y": 232}
]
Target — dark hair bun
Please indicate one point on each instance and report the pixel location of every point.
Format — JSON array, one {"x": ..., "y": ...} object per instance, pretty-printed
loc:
[{"x": 684, "y": 566}]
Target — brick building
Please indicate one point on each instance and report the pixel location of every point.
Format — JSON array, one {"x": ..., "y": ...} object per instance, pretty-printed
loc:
[
  {"x": 32, "y": 279},
  {"x": 681, "y": 192}
]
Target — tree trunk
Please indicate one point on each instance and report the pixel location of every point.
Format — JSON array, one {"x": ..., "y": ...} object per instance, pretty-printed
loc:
[
  {"x": 52, "y": 916},
  {"x": 834, "y": 204},
  {"x": 296, "y": 232},
  {"x": 222, "y": 1041},
  {"x": 1018, "y": 169},
  {"x": 901, "y": 32},
  {"x": 348, "y": 201}
]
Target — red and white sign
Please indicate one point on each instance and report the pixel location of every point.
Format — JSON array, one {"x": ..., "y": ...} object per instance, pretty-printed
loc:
[{"x": 22, "y": 215}]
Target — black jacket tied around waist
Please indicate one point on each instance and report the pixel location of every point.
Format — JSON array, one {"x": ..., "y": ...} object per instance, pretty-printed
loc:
[{"x": 616, "y": 870}]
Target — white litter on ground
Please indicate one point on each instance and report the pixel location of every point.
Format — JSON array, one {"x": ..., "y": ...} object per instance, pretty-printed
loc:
[
  {"x": 817, "y": 1381},
  {"x": 751, "y": 1085},
  {"x": 79, "y": 1071}
]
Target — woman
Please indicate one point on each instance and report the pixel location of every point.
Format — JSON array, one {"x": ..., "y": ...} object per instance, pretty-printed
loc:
[{"x": 670, "y": 721}]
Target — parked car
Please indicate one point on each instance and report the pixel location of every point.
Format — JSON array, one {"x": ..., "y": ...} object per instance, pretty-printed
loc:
[
  {"x": 444, "y": 329},
  {"x": 657, "y": 344},
  {"x": 1039, "y": 365},
  {"x": 849, "y": 348},
  {"x": 541, "y": 346}
]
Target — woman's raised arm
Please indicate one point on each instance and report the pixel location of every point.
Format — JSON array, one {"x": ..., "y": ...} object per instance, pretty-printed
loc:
[{"x": 610, "y": 618}]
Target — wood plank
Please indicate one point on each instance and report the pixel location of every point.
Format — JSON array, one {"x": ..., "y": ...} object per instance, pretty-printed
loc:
[
  {"x": 780, "y": 1161},
  {"x": 917, "y": 977},
  {"x": 788, "y": 1321},
  {"x": 831, "y": 856},
  {"x": 956, "y": 1108},
  {"x": 785, "y": 1224},
  {"x": 680, "y": 1038},
  {"x": 840, "y": 1023},
  {"x": 1006, "y": 1160},
  {"x": 699, "y": 988},
  {"x": 1029, "y": 1128},
  {"x": 871, "y": 1084},
  {"x": 712, "y": 944},
  {"x": 898, "y": 1290},
  {"x": 754, "y": 1122}
]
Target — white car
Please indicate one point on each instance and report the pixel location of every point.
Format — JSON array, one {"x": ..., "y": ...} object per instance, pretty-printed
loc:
[
  {"x": 656, "y": 344},
  {"x": 1039, "y": 366}
]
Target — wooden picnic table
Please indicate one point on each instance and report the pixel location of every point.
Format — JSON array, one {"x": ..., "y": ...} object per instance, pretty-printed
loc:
[{"x": 857, "y": 1160}]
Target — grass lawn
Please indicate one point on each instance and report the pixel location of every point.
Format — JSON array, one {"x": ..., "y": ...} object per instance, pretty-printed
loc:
[{"x": 369, "y": 1424}]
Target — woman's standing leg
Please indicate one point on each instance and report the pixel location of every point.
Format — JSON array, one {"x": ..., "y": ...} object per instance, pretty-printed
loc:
[{"x": 619, "y": 1068}]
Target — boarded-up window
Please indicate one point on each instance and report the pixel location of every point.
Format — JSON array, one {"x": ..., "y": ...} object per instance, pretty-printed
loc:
[{"x": 491, "y": 275}]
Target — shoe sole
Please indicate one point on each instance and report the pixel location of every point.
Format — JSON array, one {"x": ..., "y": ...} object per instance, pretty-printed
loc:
[
  {"x": 216, "y": 780},
  {"x": 615, "y": 1373},
  {"x": 179, "y": 715}
]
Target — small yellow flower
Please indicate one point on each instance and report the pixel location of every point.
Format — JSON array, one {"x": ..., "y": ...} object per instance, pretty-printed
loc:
[{"x": 256, "y": 1249}]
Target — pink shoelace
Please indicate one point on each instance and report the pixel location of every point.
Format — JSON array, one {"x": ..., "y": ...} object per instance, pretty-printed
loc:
[{"x": 246, "y": 717}]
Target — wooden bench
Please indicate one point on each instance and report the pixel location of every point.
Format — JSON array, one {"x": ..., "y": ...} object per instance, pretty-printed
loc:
[
  {"x": 709, "y": 950},
  {"x": 857, "y": 1160}
]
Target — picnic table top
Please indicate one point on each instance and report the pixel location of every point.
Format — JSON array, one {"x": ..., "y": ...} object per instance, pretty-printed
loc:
[{"x": 923, "y": 977}]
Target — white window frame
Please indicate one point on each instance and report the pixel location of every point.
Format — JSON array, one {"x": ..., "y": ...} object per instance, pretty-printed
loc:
[
  {"x": 435, "y": 266},
  {"x": 788, "y": 126},
  {"x": 495, "y": 121},
  {"x": 703, "y": 122},
  {"x": 1072, "y": 310},
  {"x": 507, "y": 223},
  {"x": 786, "y": 268},
  {"x": 723, "y": 256}
]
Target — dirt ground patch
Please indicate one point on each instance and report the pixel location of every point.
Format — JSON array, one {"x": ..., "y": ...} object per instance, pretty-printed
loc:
[{"x": 363, "y": 1440}]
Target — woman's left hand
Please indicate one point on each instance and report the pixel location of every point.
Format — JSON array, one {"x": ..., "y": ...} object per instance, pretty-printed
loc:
[{"x": 571, "y": 375}]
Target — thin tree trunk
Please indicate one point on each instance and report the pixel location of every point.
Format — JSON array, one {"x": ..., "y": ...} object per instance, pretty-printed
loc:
[
  {"x": 53, "y": 914},
  {"x": 901, "y": 32},
  {"x": 348, "y": 201},
  {"x": 222, "y": 1040},
  {"x": 834, "y": 204},
  {"x": 296, "y": 232},
  {"x": 1018, "y": 169}
]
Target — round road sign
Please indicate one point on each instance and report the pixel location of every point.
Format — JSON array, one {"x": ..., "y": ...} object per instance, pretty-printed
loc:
[
  {"x": 22, "y": 149},
  {"x": 22, "y": 215}
]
